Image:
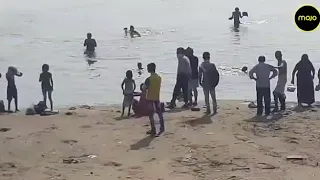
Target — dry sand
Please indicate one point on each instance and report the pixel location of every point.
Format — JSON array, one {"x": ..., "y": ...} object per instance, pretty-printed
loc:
[{"x": 93, "y": 144}]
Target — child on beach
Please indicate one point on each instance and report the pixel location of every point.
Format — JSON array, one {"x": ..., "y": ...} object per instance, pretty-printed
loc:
[
  {"x": 153, "y": 86},
  {"x": 140, "y": 68},
  {"x": 128, "y": 86},
  {"x": 12, "y": 92},
  {"x": 209, "y": 79},
  {"x": 46, "y": 84}
]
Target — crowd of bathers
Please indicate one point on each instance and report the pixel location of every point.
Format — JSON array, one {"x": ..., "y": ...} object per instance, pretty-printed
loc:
[{"x": 190, "y": 75}]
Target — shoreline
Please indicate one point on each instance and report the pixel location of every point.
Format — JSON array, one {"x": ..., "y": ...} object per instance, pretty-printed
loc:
[{"x": 97, "y": 144}]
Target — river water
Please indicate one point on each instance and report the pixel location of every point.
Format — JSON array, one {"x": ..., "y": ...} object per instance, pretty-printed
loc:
[{"x": 34, "y": 32}]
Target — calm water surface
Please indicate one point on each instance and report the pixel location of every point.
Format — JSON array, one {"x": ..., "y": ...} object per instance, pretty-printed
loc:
[{"x": 44, "y": 31}]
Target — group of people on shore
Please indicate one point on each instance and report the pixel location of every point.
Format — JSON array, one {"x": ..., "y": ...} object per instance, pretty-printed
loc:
[
  {"x": 303, "y": 70},
  {"x": 12, "y": 93}
]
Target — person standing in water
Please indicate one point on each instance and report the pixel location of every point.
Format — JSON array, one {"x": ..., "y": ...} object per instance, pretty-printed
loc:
[
  {"x": 278, "y": 92},
  {"x": 46, "y": 84},
  {"x": 90, "y": 45},
  {"x": 262, "y": 71},
  {"x": 133, "y": 32},
  {"x": 12, "y": 92},
  {"x": 194, "y": 81},
  {"x": 236, "y": 15}
]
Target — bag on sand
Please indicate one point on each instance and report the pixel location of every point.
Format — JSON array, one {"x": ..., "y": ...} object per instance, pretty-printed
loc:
[{"x": 40, "y": 107}]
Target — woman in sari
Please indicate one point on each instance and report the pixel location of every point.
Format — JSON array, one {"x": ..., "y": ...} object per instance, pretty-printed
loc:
[
  {"x": 140, "y": 107},
  {"x": 305, "y": 75}
]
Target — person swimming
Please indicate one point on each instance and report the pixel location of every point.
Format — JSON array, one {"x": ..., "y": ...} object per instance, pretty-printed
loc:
[
  {"x": 236, "y": 15},
  {"x": 133, "y": 32},
  {"x": 90, "y": 44}
]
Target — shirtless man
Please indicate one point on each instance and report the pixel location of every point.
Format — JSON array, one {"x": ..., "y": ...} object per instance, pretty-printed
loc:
[
  {"x": 133, "y": 32},
  {"x": 278, "y": 92},
  {"x": 90, "y": 45},
  {"x": 236, "y": 15}
]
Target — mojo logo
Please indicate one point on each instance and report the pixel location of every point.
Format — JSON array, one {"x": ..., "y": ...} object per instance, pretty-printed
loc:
[{"x": 307, "y": 18}]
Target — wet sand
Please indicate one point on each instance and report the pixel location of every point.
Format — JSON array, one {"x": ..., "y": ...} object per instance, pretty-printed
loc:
[{"x": 93, "y": 144}]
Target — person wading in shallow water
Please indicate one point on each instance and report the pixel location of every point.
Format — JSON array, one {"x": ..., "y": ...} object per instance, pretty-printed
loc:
[
  {"x": 90, "y": 45},
  {"x": 236, "y": 15},
  {"x": 183, "y": 77},
  {"x": 262, "y": 71},
  {"x": 278, "y": 93}
]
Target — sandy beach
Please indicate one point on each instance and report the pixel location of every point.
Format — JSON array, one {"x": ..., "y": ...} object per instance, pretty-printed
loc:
[{"x": 94, "y": 144}]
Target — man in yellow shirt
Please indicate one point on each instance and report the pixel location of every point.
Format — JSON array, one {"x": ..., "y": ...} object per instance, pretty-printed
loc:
[{"x": 153, "y": 86}]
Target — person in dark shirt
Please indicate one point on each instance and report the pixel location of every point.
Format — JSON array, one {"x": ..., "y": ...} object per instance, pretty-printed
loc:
[
  {"x": 194, "y": 81},
  {"x": 236, "y": 15},
  {"x": 46, "y": 84},
  {"x": 209, "y": 79},
  {"x": 90, "y": 44},
  {"x": 11, "y": 88},
  {"x": 133, "y": 32}
]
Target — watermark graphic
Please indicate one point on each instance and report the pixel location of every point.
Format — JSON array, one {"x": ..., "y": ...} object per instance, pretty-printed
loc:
[{"x": 307, "y": 18}]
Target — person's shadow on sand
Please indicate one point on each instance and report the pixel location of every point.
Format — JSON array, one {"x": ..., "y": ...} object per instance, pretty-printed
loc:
[
  {"x": 145, "y": 142},
  {"x": 205, "y": 119}
]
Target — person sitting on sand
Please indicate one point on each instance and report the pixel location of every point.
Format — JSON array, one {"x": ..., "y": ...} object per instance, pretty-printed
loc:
[
  {"x": 128, "y": 86},
  {"x": 46, "y": 85},
  {"x": 12, "y": 92},
  {"x": 153, "y": 86},
  {"x": 90, "y": 45},
  {"x": 236, "y": 15},
  {"x": 133, "y": 32},
  {"x": 139, "y": 107}
]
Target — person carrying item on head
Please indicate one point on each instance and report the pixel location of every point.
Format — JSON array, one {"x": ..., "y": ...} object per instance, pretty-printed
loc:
[
  {"x": 153, "y": 85},
  {"x": 279, "y": 91},
  {"x": 194, "y": 81},
  {"x": 209, "y": 79},
  {"x": 90, "y": 45},
  {"x": 133, "y": 32},
  {"x": 236, "y": 15},
  {"x": 182, "y": 81},
  {"x": 46, "y": 84},
  {"x": 12, "y": 92},
  {"x": 262, "y": 77}
]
